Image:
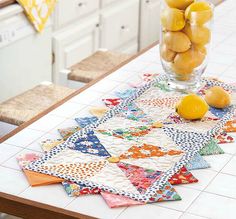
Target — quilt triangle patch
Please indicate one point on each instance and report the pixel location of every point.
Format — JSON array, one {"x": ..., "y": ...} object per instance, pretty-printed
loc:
[
  {"x": 187, "y": 140},
  {"x": 146, "y": 151},
  {"x": 131, "y": 133},
  {"x": 230, "y": 126},
  {"x": 211, "y": 148},
  {"x": 39, "y": 179},
  {"x": 67, "y": 132},
  {"x": 197, "y": 162},
  {"x": 223, "y": 138},
  {"x": 169, "y": 102},
  {"x": 90, "y": 144},
  {"x": 78, "y": 171},
  {"x": 111, "y": 102},
  {"x": 182, "y": 177},
  {"x": 141, "y": 178},
  {"x": 167, "y": 193},
  {"x": 78, "y": 189},
  {"x": 219, "y": 113},
  {"x": 85, "y": 121},
  {"x": 133, "y": 112}
]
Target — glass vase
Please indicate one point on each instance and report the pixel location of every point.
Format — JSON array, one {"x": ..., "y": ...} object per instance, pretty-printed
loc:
[{"x": 186, "y": 27}]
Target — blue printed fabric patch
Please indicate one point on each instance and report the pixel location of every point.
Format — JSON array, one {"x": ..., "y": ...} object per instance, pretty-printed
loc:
[
  {"x": 124, "y": 94},
  {"x": 220, "y": 113},
  {"x": 197, "y": 163},
  {"x": 131, "y": 111},
  {"x": 90, "y": 144},
  {"x": 85, "y": 121}
]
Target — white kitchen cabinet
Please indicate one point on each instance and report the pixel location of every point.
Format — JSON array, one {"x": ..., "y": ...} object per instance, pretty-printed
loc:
[
  {"x": 149, "y": 22},
  {"x": 119, "y": 24},
  {"x": 74, "y": 44},
  {"x": 67, "y": 11},
  {"x": 25, "y": 55}
]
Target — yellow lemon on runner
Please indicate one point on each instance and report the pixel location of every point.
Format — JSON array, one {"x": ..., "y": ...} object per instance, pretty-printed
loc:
[
  {"x": 172, "y": 19},
  {"x": 197, "y": 34},
  {"x": 180, "y": 4},
  {"x": 199, "y": 13},
  {"x": 192, "y": 107},
  {"x": 217, "y": 97},
  {"x": 167, "y": 54},
  {"x": 176, "y": 41}
]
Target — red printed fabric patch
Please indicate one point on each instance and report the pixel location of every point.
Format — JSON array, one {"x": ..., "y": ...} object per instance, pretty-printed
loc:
[
  {"x": 224, "y": 137},
  {"x": 182, "y": 177},
  {"x": 110, "y": 102},
  {"x": 74, "y": 189}
]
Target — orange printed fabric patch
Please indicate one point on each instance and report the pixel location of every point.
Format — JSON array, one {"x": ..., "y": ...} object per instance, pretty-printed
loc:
[
  {"x": 230, "y": 126},
  {"x": 39, "y": 179},
  {"x": 146, "y": 151},
  {"x": 169, "y": 102},
  {"x": 77, "y": 170}
]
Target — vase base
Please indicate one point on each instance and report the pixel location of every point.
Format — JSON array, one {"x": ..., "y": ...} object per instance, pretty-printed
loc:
[{"x": 183, "y": 86}]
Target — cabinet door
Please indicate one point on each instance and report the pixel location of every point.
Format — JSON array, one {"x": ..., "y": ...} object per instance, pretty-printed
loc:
[
  {"x": 107, "y": 2},
  {"x": 75, "y": 44},
  {"x": 119, "y": 24},
  {"x": 149, "y": 22},
  {"x": 69, "y": 10}
]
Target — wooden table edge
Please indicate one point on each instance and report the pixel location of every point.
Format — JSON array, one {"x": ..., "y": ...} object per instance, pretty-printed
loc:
[
  {"x": 40, "y": 115},
  {"x": 25, "y": 208}
]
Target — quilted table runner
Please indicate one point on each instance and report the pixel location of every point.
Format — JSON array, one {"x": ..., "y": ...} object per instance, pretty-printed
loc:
[{"x": 139, "y": 147}]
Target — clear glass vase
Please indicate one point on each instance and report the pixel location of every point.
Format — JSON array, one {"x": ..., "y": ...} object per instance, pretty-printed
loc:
[{"x": 186, "y": 27}]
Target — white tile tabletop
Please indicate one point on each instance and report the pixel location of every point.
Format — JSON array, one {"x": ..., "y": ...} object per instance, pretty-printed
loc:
[{"x": 214, "y": 196}]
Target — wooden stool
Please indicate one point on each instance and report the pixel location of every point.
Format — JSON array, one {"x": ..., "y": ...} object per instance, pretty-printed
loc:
[
  {"x": 96, "y": 65},
  {"x": 25, "y": 106}
]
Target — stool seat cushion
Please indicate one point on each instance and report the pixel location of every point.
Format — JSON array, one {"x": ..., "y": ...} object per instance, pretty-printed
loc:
[
  {"x": 24, "y": 107},
  {"x": 96, "y": 65}
]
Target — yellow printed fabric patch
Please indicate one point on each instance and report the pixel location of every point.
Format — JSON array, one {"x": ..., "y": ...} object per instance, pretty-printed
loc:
[{"x": 38, "y": 11}]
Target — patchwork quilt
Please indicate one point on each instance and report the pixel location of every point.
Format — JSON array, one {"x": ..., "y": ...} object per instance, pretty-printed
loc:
[{"x": 139, "y": 148}]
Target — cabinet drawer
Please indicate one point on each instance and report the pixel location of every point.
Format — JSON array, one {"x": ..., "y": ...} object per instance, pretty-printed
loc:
[
  {"x": 119, "y": 24},
  {"x": 68, "y": 10}
]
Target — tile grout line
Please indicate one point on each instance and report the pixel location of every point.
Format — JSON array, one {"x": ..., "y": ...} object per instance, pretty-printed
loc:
[{"x": 207, "y": 186}]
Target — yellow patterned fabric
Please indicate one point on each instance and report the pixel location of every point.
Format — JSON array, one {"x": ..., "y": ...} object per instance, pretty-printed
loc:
[{"x": 38, "y": 11}]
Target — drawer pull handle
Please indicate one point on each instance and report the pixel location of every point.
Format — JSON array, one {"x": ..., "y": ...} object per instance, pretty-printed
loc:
[
  {"x": 124, "y": 28},
  {"x": 148, "y": 1},
  {"x": 82, "y": 4}
]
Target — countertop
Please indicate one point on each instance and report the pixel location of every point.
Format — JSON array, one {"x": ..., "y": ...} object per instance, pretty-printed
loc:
[{"x": 214, "y": 196}]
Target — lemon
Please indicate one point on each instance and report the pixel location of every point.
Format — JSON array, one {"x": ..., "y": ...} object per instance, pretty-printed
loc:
[
  {"x": 197, "y": 34},
  {"x": 180, "y": 4},
  {"x": 189, "y": 59},
  {"x": 183, "y": 77},
  {"x": 183, "y": 70},
  {"x": 192, "y": 107},
  {"x": 199, "y": 13},
  {"x": 177, "y": 41},
  {"x": 217, "y": 97},
  {"x": 172, "y": 19},
  {"x": 167, "y": 54},
  {"x": 200, "y": 48}
]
